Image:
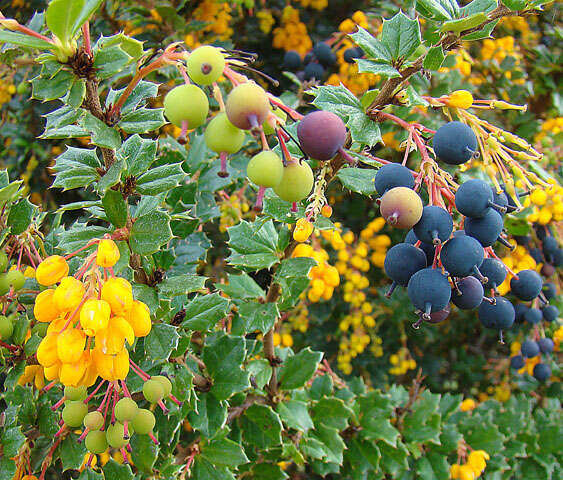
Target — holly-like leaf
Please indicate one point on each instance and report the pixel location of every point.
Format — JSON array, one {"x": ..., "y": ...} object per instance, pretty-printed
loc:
[
  {"x": 223, "y": 358},
  {"x": 139, "y": 153},
  {"x": 160, "y": 179},
  {"x": 72, "y": 453},
  {"x": 253, "y": 245},
  {"x": 115, "y": 208},
  {"x": 437, "y": 9},
  {"x": 373, "y": 48},
  {"x": 261, "y": 427},
  {"x": 150, "y": 232},
  {"x": 360, "y": 180},
  {"x": 241, "y": 286},
  {"x": 100, "y": 133},
  {"x": 258, "y": 316},
  {"x": 110, "y": 60},
  {"x": 434, "y": 58},
  {"x": 115, "y": 471},
  {"x": 298, "y": 369},
  {"x": 203, "y": 469},
  {"x": 295, "y": 415},
  {"x": 47, "y": 88},
  {"x": 210, "y": 415},
  {"x": 142, "y": 120},
  {"x": 181, "y": 284},
  {"x": 224, "y": 452},
  {"x": 377, "y": 68},
  {"x": 12, "y": 439},
  {"x": 22, "y": 40},
  {"x": 161, "y": 341},
  {"x": 292, "y": 277},
  {"x": 20, "y": 216},
  {"x": 401, "y": 36},
  {"x": 204, "y": 311}
]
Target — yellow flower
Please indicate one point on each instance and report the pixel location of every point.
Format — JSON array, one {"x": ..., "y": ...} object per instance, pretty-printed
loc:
[
  {"x": 467, "y": 405},
  {"x": 111, "y": 367},
  {"x": 33, "y": 373},
  {"x": 108, "y": 253},
  {"x": 51, "y": 270},
  {"x": 68, "y": 294},
  {"x": 70, "y": 345},
  {"x": 139, "y": 318},
  {"x": 460, "y": 99},
  {"x": 119, "y": 294},
  {"x": 44, "y": 308},
  {"x": 111, "y": 340},
  {"x": 47, "y": 350},
  {"x": 94, "y": 315},
  {"x": 303, "y": 230},
  {"x": 466, "y": 473},
  {"x": 71, "y": 374}
]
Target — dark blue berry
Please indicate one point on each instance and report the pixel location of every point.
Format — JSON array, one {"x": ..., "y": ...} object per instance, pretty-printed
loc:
[
  {"x": 485, "y": 229},
  {"x": 403, "y": 261},
  {"x": 455, "y": 143},
  {"x": 429, "y": 291},
  {"x": 542, "y": 372},
  {"x": 474, "y": 198},
  {"x": 520, "y": 310},
  {"x": 546, "y": 345},
  {"x": 549, "y": 290},
  {"x": 526, "y": 285},
  {"x": 462, "y": 256},
  {"x": 499, "y": 315},
  {"x": 427, "y": 248},
  {"x": 550, "y": 313},
  {"x": 393, "y": 175},
  {"x": 494, "y": 270},
  {"x": 469, "y": 293},
  {"x": 314, "y": 71},
  {"x": 530, "y": 348},
  {"x": 533, "y": 316},
  {"x": 324, "y": 54},
  {"x": 517, "y": 362},
  {"x": 292, "y": 60},
  {"x": 435, "y": 225}
]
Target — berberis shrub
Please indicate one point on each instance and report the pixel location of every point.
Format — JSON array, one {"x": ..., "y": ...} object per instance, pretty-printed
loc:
[{"x": 240, "y": 240}]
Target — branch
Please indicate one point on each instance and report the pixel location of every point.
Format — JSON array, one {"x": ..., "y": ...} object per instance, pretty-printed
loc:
[{"x": 448, "y": 42}]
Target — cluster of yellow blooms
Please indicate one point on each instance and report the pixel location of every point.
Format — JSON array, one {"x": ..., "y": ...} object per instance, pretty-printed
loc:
[
  {"x": 7, "y": 90},
  {"x": 521, "y": 27},
  {"x": 463, "y": 62},
  {"x": 557, "y": 338},
  {"x": 546, "y": 203},
  {"x": 497, "y": 50},
  {"x": 87, "y": 309},
  {"x": 316, "y": 4},
  {"x": 517, "y": 260},
  {"x": 473, "y": 468},
  {"x": 265, "y": 20},
  {"x": 401, "y": 362},
  {"x": 232, "y": 209},
  {"x": 551, "y": 126},
  {"x": 292, "y": 34},
  {"x": 217, "y": 16},
  {"x": 348, "y": 75}
]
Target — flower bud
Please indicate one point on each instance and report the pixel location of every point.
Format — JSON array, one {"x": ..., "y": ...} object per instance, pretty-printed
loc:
[
  {"x": 460, "y": 99},
  {"x": 118, "y": 293},
  {"x": 45, "y": 309},
  {"x": 94, "y": 316},
  {"x": 108, "y": 253},
  {"x": 68, "y": 294},
  {"x": 111, "y": 340},
  {"x": 51, "y": 270},
  {"x": 303, "y": 230},
  {"x": 139, "y": 317},
  {"x": 70, "y": 345}
]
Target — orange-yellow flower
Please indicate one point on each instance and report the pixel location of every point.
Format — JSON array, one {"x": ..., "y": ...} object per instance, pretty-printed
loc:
[
  {"x": 70, "y": 345},
  {"x": 68, "y": 294},
  {"x": 119, "y": 294},
  {"x": 94, "y": 316},
  {"x": 51, "y": 270},
  {"x": 108, "y": 253},
  {"x": 47, "y": 350},
  {"x": 139, "y": 317},
  {"x": 111, "y": 367},
  {"x": 45, "y": 309},
  {"x": 111, "y": 340}
]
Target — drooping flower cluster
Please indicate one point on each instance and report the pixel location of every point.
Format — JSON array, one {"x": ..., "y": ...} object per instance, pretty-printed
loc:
[
  {"x": 473, "y": 468},
  {"x": 92, "y": 317}
]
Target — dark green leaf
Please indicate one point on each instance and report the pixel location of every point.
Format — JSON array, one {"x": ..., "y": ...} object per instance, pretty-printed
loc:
[
  {"x": 45, "y": 88},
  {"x": 161, "y": 341},
  {"x": 203, "y": 312},
  {"x": 144, "y": 453},
  {"x": 295, "y": 415},
  {"x": 149, "y": 233},
  {"x": 115, "y": 208},
  {"x": 160, "y": 179},
  {"x": 434, "y": 58},
  {"x": 115, "y": 471},
  {"x": 253, "y": 245},
  {"x": 12, "y": 440},
  {"x": 110, "y": 60},
  {"x": 23, "y": 40},
  {"x": 261, "y": 426},
  {"x": 181, "y": 285},
  {"x": 332, "y": 412},
  {"x": 72, "y": 453},
  {"x": 298, "y": 369},
  {"x": 373, "y": 48},
  {"x": 101, "y": 134},
  {"x": 224, "y": 452},
  {"x": 138, "y": 153},
  {"x": 258, "y": 316},
  {"x": 210, "y": 416},
  {"x": 142, "y": 120},
  {"x": 377, "y": 68},
  {"x": 401, "y": 36},
  {"x": 205, "y": 470},
  {"x": 20, "y": 216},
  {"x": 359, "y": 180},
  {"x": 111, "y": 177},
  {"x": 292, "y": 277},
  {"x": 241, "y": 287}
]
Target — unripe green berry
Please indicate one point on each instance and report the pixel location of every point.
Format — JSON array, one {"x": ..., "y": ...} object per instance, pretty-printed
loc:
[
  {"x": 153, "y": 391},
  {"x": 96, "y": 442},
  {"x": 15, "y": 279},
  {"x": 165, "y": 383},
  {"x": 3, "y": 261},
  {"x": 144, "y": 421},
  {"x": 125, "y": 409},
  {"x": 247, "y": 106},
  {"x": 76, "y": 393},
  {"x": 4, "y": 284},
  {"x": 186, "y": 103},
  {"x": 74, "y": 413},
  {"x": 222, "y": 136},
  {"x": 94, "y": 420},
  {"x": 265, "y": 169},
  {"x": 205, "y": 64},
  {"x": 297, "y": 182},
  {"x": 115, "y": 435}
]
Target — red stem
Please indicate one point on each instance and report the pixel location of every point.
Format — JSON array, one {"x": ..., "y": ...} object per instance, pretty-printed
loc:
[{"x": 86, "y": 35}]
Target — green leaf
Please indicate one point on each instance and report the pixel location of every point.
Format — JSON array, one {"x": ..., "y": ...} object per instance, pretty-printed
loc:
[
  {"x": 479, "y": 6},
  {"x": 61, "y": 16},
  {"x": 204, "y": 311},
  {"x": 464, "y": 23},
  {"x": 22, "y": 40},
  {"x": 223, "y": 358},
  {"x": 76, "y": 94},
  {"x": 89, "y": 474},
  {"x": 110, "y": 60},
  {"x": 393, "y": 460},
  {"x": 373, "y": 48},
  {"x": 20, "y": 216},
  {"x": 433, "y": 466},
  {"x": 268, "y": 471},
  {"x": 139, "y": 153},
  {"x": 205, "y": 470},
  {"x": 115, "y": 208},
  {"x": 258, "y": 316},
  {"x": 515, "y": 4},
  {"x": 149, "y": 233},
  {"x": 111, "y": 177},
  {"x": 260, "y": 372},
  {"x": 401, "y": 36},
  {"x": 210, "y": 415},
  {"x": 10, "y": 191},
  {"x": 115, "y": 471},
  {"x": 7, "y": 465},
  {"x": 241, "y": 287},
  {"x": 434, "y": 58},
  {"x": 100, "y": 133},
  {"x": 72, "y": 453},
  {"x": 261, "y": 426},
  {"x": 377, "y": 68},
  {"x": 295, "y": 415},
  {"x": 292, "y": 277},
  {"x": 75, "y": 168},
  {"x": 338, "y": 100},
  {"x": 161, "y": 341},
  {"x": 363, "y": 129},
  {"x": 483, "y": 435},
  {"x": 375, "y": 413},
  {"x": 360, "y": 180},
  {"x": 12, "y": 440},
  {"x": 140, "y": 94},
  {"x": 224, "y": 452},
  {"x": 298, "y": 369},
  {"x": 142, "y": 120},
  {"x": 253, "y": 245},
  {"x": 131, "y": 46},
  {"x": 181, "y": 284},
  {"x": 144, "y": 453},
  {"x": 332, "y": 412},
  {"x": 332, "y": 443},
  {"x": 365, "y": 456},
  {"x": 435, "y": 9},
  {"x": 160, "y": 179},
  {"x": 46, "y": 88},
  {"x": 78, "y": 235}
]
